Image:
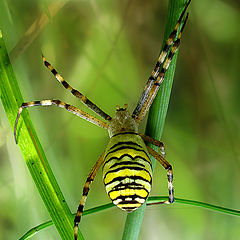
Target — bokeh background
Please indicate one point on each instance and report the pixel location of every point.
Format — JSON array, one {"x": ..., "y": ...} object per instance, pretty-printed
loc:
[{"x": 107, "y": 49}]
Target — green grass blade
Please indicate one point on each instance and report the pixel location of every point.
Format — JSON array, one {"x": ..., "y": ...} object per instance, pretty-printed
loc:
[
  {"x": 151, "y": 200},
  {"x": 156, "y": 199},
  {"x": 32, "y": 150},
  {"x": 38, "y": 228},
  {"x": 157, "y": 115}
]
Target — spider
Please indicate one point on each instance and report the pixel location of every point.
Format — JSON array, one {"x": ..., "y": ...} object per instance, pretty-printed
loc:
[{"x": 127, "y": 168}]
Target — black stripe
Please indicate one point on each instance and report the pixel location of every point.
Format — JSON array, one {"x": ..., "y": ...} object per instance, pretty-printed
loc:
[
  {"x": 80, "y": 208},
  {"x": 126, "y": 147},
  {"x": 158, "y": 65},
  {"x": 123, "y": 168},
  {"x": 177, "y": 42},
  {"x": 37, "y": 103},
  {"x": 171, "y": 54},
  {"x": 77, "y": 220},
  {"x": 54, "y": 72},
  {"x": 127, "y": 163},
  {"x": 152, "y": 78},
  {"x": 74, "y": 91},
  {"x": 67, "y": 106},
  {"x": 132, "y": 196},
  {"x": 65, "y": 84},
  {"x": 127, "y": 142},
  {"x": 127, "y": 155},
  {"x": 132, "y": 185},
  {"x": 173, "y": 35},
  {"x": 47, "y": 64},
  {"x": 123, "y": 133},
  {"x": 166, "y": 48},
  {"x": 115, "y": 189},
  {"x": 163, "y": 70},
  {"x": 130, "y": 177},
  {"x": 57, "y": 102}
]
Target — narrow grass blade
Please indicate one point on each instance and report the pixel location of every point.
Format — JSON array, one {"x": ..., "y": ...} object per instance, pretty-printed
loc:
[
  {"x": 32, "y": 150},
  {"x": 157, "y": 116},
  {"x": 154, "y": 200}
]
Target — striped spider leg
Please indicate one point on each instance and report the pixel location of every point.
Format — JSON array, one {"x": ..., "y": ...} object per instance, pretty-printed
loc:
[
  {"x": 86, "y": 189},
  {"x": 60, "y": 104},
  {"x": 158, "y": 74},
  {"x": 66, "y": 106}
]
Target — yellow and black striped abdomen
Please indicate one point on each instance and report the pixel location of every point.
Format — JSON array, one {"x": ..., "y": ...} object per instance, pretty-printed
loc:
[{"x": 127, "y": 171}]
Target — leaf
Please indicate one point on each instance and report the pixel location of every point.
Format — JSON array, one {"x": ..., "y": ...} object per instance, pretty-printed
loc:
[{"x": 32, "y": 150}]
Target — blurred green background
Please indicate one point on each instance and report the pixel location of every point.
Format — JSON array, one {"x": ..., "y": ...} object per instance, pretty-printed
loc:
[{"x": 107, "y": 50}]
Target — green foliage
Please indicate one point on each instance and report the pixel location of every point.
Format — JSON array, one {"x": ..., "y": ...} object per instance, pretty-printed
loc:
[
  {"x": 151, "y": 200},
  {"x": 31, "y": 149},
  {"x": 107, "y": 50}
]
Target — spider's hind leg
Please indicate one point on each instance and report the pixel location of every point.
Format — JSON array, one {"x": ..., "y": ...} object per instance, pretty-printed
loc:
[
  {"x": 86, "y": 189},
  {"x": 154, "y": 142},
  {"x": 168, "y": 167}
]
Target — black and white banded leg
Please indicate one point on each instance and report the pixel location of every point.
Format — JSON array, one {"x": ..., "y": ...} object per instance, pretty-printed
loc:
[
  {"x": 158, "y": 74},
  {"x": 168, "y": 167},
  {"x": 86, "y": 189},
  {"x": 60, "y": 104}
]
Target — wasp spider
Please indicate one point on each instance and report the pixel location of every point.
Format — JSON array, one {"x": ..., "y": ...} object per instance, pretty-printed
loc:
[{"x": 127, "y": 168}]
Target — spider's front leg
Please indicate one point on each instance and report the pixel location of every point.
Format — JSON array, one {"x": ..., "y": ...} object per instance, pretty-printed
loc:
[
  {"x": 157, "y": 77},
  {"x": 60, "y": 104}
]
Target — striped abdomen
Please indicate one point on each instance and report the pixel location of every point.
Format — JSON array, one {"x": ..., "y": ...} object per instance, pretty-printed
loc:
[{"x": 127, "y": 171}]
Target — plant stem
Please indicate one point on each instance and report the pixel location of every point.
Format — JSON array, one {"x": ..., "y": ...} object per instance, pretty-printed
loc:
[
  {"x": 157, "y": 115},
  {"x": 32, "y": 150}
]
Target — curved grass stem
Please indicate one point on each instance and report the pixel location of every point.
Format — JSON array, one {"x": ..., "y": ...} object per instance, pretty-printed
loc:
[{"x": 151, "y": 201}]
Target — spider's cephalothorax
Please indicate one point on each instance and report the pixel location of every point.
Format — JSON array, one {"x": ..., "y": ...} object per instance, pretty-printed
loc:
[{"x": 127, "y": 169}]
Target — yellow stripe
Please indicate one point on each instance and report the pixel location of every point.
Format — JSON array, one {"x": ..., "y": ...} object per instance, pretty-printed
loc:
[
  {"x": 128, "y": 192},
  {"x": 145, "y": 184},
  {"x": 127, "y": 172}
]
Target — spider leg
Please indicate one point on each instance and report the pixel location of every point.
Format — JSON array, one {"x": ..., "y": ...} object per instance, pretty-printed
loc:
[
  {"x": 75, "y": 92},
  {"x": 157, "y": 76},
  {"x": 168, "y": 167},
  {"x": 60, "y": 104},
  {"x": 154, "y": 142},
  {"x": 86, "y": 189}
]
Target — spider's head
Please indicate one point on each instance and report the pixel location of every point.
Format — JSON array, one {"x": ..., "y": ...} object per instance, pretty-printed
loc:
[
  {"x": 122, "y": 109},
  {"x": 122, "y": 122}
]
